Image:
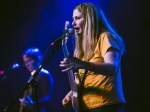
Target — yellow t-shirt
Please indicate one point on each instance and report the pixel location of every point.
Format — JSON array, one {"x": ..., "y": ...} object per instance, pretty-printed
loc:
[{"x": 100, "y": 90}]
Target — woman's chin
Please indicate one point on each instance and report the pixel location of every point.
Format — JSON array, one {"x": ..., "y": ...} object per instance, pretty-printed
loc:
[{"x": 78, "y": 33}]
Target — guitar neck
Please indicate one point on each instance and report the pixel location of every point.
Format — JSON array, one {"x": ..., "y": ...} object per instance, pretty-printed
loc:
[{"x": 73, "y": 85}]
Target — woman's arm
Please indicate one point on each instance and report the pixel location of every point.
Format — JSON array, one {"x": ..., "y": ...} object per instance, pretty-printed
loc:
[{"x": 108, "y": 67}]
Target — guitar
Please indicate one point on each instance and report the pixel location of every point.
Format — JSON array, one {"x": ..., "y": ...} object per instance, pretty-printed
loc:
[
  {"x": 25, "y": 96},
  {"x": 74, "y": 80},
  {"x": 21, "y": 106}
]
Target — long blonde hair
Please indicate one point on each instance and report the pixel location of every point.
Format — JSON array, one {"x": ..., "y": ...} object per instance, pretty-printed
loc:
[{"x": 95, "y": 23}]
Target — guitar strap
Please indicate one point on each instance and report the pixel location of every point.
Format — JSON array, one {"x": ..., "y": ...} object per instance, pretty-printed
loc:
[{"x": 80, "y": 90}]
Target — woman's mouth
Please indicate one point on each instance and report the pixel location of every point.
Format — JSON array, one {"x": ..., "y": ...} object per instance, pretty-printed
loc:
[{"x": 77, "y": 29}]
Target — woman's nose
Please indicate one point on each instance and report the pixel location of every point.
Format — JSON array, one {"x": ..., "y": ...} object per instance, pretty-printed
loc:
[{"x": 73, "y": 23}]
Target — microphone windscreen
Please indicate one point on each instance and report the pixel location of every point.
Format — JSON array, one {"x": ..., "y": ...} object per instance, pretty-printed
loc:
[
  {"x": 71, "y": 31},
  {"x": 15, "y": 66}
]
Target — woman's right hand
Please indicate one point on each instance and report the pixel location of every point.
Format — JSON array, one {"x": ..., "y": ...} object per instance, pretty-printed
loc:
[{"x": 67, "y": 102}]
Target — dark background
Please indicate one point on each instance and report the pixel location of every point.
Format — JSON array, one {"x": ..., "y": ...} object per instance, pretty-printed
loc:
[{"x": 37, "y": 23}]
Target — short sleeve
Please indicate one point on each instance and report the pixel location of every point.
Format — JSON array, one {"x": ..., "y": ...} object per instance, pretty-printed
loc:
[{"x": 104, "y": 43}]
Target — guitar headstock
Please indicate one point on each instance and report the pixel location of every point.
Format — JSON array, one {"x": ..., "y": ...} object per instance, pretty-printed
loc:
[{"x": 66, "y": 25}]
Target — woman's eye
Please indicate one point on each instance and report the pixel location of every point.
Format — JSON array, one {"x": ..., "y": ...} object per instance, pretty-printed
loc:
[{"x": 78, "y": 18}]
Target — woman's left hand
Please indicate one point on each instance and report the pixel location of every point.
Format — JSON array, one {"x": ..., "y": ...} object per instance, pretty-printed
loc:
[{"x": 70, "y": 63}]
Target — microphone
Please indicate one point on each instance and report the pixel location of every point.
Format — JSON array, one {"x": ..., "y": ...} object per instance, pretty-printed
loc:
[
  {"x": 68, "y": 32},
  {"x": 13, "y": 67}
]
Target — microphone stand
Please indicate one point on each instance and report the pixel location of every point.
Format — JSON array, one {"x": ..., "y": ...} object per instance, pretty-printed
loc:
[{"x": 32, "y": 81}]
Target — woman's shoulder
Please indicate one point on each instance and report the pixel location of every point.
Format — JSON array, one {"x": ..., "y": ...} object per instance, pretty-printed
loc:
[
  {"x": 106, "y": 34},
  {"x": 103, "y": 35}
]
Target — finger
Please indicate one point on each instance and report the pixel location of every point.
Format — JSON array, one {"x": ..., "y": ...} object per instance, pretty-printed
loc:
[
  {"x": 68, "y": 98},
  {"x": 65, "y": 65},
  {"x": 68, "y": 65},
  {"x": 66, "y": 69},
  {"x": 65, "y": 100},
  {"x": 66, "y": 59},
  {"x": 62, "y": 62}
]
